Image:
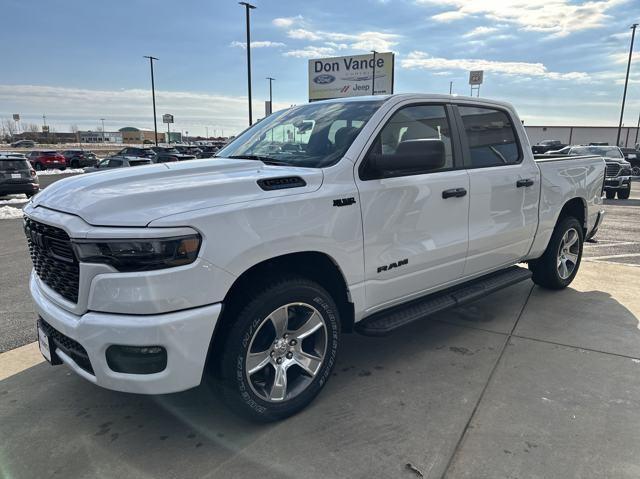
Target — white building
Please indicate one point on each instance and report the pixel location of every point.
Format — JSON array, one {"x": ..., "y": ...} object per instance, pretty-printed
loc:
[
  {"x": 99, "y": 137},
  {"x": 583, "y": 135}
]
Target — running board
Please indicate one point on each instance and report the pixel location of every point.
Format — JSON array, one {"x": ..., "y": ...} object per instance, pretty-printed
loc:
[{"x": 384, "y": 322}]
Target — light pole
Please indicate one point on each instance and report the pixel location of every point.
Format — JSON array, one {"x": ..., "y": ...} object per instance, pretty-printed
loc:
[
  {"x": 248, "y": 8},
  {"x": 102, "y": 120},
  {"x": 637, "y": 128},
  {"x": 153, "y": 97},
  {"x": 271, "y": 79},
  {"x": 626, "y": 82},
  {"x": 450, "y": 87},
  {"x": 373, "y": 77}
]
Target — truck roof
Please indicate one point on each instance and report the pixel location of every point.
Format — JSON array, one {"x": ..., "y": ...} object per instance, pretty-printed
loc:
[{"x": 418, "y": 97}]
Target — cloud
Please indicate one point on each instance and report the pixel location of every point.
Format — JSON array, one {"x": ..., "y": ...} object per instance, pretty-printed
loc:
[
  {"x": 310, "y": 52},
  {"x": 131, "y": 107},
  {"x": 367, "y": 41},
  {"x": 260, "y": 44},
  {"x": 422, "y": 60},
  {"x": 480, "y": 31},
  {"x": 286, "y": 22},
  {"x": 302, "y": 34},
  {"x": 555, "y": 17}
]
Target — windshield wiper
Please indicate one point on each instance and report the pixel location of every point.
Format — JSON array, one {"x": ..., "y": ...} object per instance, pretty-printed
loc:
[{"x": 264, "y": 159}]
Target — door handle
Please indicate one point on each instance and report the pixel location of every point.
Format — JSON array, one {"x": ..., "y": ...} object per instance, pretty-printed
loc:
[
  {"x": 454, "y": 193},
  {"x": 526, "y": 182}
]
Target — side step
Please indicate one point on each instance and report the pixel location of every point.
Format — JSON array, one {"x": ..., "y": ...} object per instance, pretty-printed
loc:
[{"x": 384, "y": 322}]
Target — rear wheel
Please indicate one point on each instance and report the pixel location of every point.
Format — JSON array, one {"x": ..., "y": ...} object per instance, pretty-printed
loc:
[
  {"x": 611, "y": 194},
  {"x": 75, "y": 164},
  {"x": 559, "y": 264},
  {"x": 624, "y": 194},
  {"x": 38, "y": 167},
  {"x": 280, "y": 351}
]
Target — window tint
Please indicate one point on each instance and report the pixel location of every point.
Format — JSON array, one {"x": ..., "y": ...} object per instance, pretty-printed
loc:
[
  {"x": 114, "y": 163},
  {"x": 424, "y": 122},
  {"x": 491, "y": 138}
]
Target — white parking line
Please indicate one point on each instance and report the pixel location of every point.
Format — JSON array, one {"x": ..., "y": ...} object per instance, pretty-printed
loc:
[
  {"x": 17, "y": 360},
  {"x": 628, "y": 255},
  {"x": 621, "y": 243}
]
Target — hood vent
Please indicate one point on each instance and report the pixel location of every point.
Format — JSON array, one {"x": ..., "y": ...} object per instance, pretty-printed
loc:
[{"x": 281, "y": 183}]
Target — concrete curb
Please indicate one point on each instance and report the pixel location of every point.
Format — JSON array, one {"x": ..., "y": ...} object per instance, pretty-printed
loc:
[{"x": 17, "y": 360}]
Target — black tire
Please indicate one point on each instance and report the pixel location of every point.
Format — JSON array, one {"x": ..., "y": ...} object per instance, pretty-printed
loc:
[
  {"x": 237, "y": 389},
  {"x": 75, "y": 164},
  {"x": 38, "y": 167},
  {"x": 611, "y": 194},
  {"x": 624, "y": 194},
  {"x": 545, "y": 269}
]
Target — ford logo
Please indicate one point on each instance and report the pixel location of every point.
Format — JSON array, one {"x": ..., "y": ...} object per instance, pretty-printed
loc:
[{"x": 324, "y": 79}]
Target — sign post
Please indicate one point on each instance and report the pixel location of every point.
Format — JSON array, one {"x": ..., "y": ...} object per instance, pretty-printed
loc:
[
  {"x": 168, "y": 119},
  {"x": 476, "y": 77},
  {"x": 356, "y": 75}
]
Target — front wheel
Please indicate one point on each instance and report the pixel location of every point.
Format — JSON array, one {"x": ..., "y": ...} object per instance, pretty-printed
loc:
[
  {"x": 559, "y": 264},
  {"x": 38, "y": 167},
  {"x": 280, "y": 351},
  {"x": 611, "y": 194},
  {"x": 624, "y": 194}
]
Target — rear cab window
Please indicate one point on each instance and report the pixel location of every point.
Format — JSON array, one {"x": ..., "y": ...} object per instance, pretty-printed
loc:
[{"x": 490, "y": 136}]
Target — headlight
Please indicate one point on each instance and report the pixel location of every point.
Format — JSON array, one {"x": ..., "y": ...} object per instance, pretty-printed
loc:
[
  {"x": 625, "y": 171},
  {"x": 140, "y": 254}
]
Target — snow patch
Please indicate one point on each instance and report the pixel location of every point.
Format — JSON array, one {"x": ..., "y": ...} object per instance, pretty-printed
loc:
[
  {"x": 13, "y": 199},
  {"x": 68, "y": 171},
  {"x": 10, "y": 213}
]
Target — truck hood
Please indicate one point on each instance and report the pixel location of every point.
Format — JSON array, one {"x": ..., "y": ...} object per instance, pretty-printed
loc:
[{"x": 138, "y": 195}]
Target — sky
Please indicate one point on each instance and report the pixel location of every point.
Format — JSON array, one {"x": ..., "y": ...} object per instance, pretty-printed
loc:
[{"x": 560, "y": 62}]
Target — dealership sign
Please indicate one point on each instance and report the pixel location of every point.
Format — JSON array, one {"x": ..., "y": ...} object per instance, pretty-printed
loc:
[
  {"x": 341, "y": 77},
  {"x": 167, "y": 118}
]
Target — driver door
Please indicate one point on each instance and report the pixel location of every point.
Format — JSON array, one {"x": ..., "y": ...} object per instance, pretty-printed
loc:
[{"x": 415, "y": 230}]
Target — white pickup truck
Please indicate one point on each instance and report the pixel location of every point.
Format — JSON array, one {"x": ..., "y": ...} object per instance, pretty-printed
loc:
[{"x": 361, "y": 215}]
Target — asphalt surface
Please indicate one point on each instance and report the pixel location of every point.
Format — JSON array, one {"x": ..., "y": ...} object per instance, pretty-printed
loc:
[{"x": 618, "y": 242}]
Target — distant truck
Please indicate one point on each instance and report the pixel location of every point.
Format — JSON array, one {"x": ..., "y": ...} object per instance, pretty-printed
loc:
[
  {"x": 546, "y": 145},
  {"x": 249, "y": 268}
]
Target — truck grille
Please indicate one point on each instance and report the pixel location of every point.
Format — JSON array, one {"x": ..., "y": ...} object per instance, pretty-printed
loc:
[
  {"x": 612, "y": 170},
  {"x": 53, "y": 258},
  {"x": 70, "y": 347}
]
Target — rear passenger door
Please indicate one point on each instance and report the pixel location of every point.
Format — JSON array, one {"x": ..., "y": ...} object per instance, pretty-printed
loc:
[
  {"x": 415, "y": 229},
  {"x": 504, "y": 188}
]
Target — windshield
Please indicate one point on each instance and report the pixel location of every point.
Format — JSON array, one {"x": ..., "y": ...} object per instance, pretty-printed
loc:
[
  {"x": 14, "y": 165},
  {"x": 315, "y": 135},
  {"x": 606, "y": 151}
]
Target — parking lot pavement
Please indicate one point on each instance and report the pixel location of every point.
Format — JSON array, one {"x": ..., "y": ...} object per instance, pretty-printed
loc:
[{"x": 515, "y": 385}]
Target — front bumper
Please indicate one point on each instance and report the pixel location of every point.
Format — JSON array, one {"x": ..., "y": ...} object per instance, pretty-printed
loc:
[
  {"x": 186, "y": 335},
  {"x": 617, "y": 183}
]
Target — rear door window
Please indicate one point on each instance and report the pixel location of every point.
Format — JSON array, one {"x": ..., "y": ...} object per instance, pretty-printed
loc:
[{"x": 490, "y": 136}]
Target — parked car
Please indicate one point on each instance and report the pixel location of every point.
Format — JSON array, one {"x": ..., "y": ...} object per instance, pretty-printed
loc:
[
  {"x": 133, "y": 151},
  {"x": 80, "y": 158},
  {"x": 17, "y": 176},
  {"x": 208, "y": 151},
  {"x": 165, "y": 154},
  {"x": 632, "y": 155},
  {"x": 618, "y": 172},
  {"x": 23, "y": 144},
  {"x": 256, "y": 265},
  {"x": 546, "y": 145},
  {"x": 47, "y": 159},
  {"x": 118, "y": 162},
  {"x": 195, "y": 151}
]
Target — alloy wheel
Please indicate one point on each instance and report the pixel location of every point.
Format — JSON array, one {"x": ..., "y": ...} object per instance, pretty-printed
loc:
[{"x": 568, "y": 253}]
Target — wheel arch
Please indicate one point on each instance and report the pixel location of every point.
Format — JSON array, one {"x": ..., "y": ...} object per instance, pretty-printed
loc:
[
  {"x": 577, "y": 208},
  {"x": 314, "y": 265}
]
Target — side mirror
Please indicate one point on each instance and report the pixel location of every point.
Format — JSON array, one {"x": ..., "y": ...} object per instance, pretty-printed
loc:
[{"x": 411, "y": 157}]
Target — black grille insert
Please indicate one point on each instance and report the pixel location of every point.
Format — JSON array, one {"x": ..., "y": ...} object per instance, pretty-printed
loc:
[
  {"x": 70, "y": 347},
  {"x": 53, "y": 258}
]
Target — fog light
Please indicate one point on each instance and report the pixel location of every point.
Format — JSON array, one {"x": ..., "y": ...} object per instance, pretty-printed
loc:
[{"x": 137, "y": 359}]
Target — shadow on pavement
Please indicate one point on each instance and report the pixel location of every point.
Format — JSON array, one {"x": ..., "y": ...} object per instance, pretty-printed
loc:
[{"x": 392, "y": 401}]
